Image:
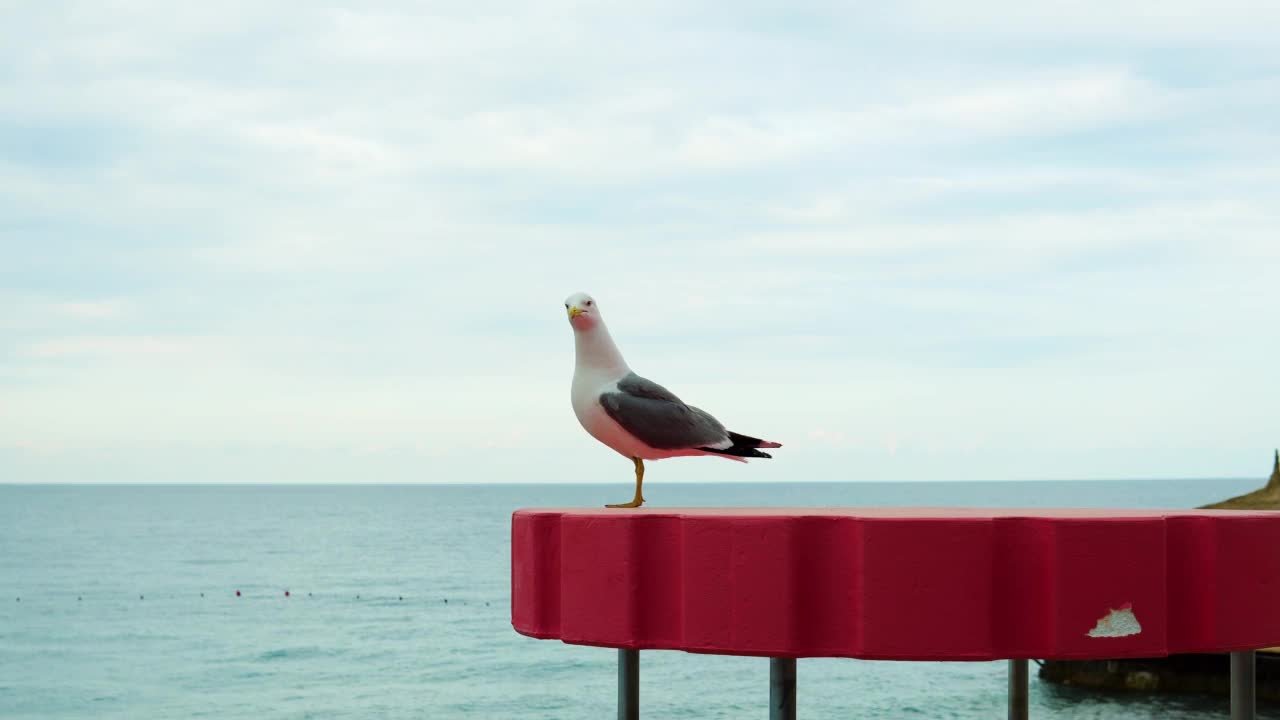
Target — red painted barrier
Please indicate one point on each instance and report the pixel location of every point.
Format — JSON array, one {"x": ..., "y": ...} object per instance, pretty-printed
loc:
[{"x": 899, "y": 583}]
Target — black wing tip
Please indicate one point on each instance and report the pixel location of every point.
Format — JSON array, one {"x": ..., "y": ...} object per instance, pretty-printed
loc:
[
  {"x": 740, "y": 440},
  {"x": 744, "y": 446},
  {"x": 736, "y": 451}
]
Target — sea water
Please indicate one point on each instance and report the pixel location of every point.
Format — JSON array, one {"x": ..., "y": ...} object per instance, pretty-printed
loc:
[{"x": 120, "y": 602}]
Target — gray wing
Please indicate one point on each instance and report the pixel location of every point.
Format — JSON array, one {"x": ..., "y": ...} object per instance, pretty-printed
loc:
[{"x": 659, "y": 418}]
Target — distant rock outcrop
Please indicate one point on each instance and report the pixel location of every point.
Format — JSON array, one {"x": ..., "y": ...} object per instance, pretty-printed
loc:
[{"x": 1266, "y": 498}]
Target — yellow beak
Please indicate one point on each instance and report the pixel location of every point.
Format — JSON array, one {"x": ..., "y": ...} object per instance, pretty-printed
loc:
[{"x": 575, "y": 311}]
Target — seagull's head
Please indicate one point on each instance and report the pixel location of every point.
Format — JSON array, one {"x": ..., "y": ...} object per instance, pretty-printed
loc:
[{"x": 583, "y": 312}]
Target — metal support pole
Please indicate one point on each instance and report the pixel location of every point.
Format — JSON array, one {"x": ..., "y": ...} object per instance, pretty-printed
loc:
[
  {"x": 1243, "y": 686},
  {"x": 782, "y": 689},
  {"x": 628, "y": 685},
  {"x": 1018, "y": 690}
]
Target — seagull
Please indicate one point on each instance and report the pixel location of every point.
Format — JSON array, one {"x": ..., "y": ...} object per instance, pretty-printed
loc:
[{"x": 638, "y": 417}]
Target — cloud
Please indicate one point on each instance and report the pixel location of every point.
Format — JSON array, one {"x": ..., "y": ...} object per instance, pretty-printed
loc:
[
  {"x": 1185, "y": 22},
  {"x": 295, "y": 234},
  {"x": 100, "y": 309},
  {"x": 109, "y": 347}
]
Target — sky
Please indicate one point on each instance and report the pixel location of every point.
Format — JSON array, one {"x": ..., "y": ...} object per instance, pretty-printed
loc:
[{"x": 273, "y": 242}]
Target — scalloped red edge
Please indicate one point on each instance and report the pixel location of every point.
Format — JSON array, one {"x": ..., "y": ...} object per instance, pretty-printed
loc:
[{"x": 897, "y": 583}]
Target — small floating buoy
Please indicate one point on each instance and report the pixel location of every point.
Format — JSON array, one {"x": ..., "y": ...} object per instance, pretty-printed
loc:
[
  {"x": 237, "y": 593},
  {"x": 286, "y": 593},
  {"x": 401, "y": 597}
]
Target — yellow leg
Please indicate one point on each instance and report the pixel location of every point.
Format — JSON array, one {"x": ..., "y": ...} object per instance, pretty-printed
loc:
[
  {"x": 638, "y": 500},
  {"x": 639, "y": 478}
]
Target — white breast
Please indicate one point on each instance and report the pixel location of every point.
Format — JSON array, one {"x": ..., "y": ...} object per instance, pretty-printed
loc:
[{"x": 586, "y": 392}]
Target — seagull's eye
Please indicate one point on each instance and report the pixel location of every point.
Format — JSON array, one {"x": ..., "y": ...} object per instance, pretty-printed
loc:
[{"x": 587, "y": 303}]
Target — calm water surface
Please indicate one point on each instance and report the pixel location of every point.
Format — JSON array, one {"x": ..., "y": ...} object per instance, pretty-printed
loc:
[{"x": 119, "y": 602}]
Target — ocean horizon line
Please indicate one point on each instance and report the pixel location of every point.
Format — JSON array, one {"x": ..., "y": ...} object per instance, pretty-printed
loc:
[{"x": 589, "y": 483}]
